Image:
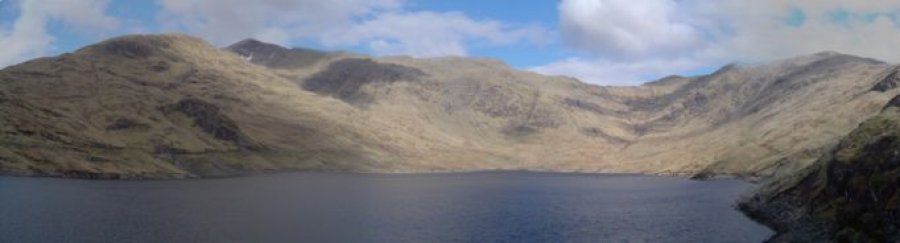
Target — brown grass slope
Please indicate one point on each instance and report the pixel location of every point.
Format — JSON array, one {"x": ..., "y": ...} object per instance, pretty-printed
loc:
[
  {"x": 174, "y": 106},
  {"x": 165, "y": 106}
]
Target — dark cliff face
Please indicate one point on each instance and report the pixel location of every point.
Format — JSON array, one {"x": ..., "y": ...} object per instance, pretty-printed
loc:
[
  {"x": 275, "y": 56},
  {"x": 850, "y": 195}
]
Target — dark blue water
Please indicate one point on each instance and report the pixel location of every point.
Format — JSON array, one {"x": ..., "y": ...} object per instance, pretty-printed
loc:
[{"x": 323, "y": 207}]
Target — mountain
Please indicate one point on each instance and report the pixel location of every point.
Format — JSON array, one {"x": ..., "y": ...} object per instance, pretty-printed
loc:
[
  {"x": 278, "y": 57},
  {"x": 851, "y": 194},
  {"x": 163, "y": 106}
]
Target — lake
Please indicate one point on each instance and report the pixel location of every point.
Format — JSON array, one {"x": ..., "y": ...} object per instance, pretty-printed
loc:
[{"x": 347, "y": 207}]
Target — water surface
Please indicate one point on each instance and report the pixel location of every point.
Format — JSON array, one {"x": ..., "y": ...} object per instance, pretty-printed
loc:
[{"x": 337, "y": 207}]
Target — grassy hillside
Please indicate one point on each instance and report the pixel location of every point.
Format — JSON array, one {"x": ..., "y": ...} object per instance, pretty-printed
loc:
[{"x": 162, "y": 106}]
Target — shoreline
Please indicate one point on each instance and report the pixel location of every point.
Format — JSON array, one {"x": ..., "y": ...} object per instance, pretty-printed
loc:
[{"x": 80, "y": 175}]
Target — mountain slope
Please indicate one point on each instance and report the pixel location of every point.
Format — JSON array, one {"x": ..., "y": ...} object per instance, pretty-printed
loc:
[
  {"x": 852, "y": 194},
  {"x": 275, "y": 56},
  {"x": 174, "y": 106},
  {"x": 161, "y": 106},
  {"x": 740, "y": 119}
]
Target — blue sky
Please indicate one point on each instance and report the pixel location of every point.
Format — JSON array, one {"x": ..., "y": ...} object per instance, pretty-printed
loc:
[
  {"x": 611, "y": 42},
  {"x": 540, "y": 13}
]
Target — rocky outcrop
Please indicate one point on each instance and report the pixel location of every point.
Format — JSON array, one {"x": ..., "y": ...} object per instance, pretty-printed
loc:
[{"x": 207, "y": 117}]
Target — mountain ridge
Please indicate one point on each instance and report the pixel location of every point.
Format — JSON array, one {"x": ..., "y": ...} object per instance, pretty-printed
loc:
[{"x": 194, "y": 110}]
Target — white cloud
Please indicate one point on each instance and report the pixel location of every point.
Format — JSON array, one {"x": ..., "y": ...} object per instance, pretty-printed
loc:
[
  {"x": 425, "y": 34},
  {"x": 625, "y": 41},
  {"x": 227, "y": 21},
  {"x": 616, "y": 41},
  {"x": 627, "y": 29},
  {"x": 761, "y": 34},
  {"x": 606, "y": 72},
  {"x": 28, "y": 36},
  {"x": 382, "y": 26}
]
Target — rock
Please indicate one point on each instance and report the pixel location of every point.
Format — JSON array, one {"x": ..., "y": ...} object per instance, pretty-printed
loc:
[
  {"x": 125, "y": 124},
  {"x": 130, "y": 48},
  {"x": 889, "y": 82},
  {"x": 207, "y": 117}
]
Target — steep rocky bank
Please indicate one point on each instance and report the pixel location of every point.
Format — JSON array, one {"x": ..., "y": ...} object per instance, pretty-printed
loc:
[{"x": 852, "y": 194}]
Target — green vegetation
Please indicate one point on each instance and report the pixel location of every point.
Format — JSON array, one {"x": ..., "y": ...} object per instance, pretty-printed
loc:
[{"x": 850, "y": 196}]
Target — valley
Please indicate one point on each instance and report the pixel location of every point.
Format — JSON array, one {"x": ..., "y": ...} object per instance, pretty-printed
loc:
[{"x": 173, "y": 106}]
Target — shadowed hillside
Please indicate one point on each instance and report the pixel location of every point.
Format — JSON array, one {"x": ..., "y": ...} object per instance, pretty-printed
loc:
[{"x": 852, "y": 194}]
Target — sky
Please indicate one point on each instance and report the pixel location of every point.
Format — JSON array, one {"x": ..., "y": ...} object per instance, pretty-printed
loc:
[{"x": 606, "y": 42}]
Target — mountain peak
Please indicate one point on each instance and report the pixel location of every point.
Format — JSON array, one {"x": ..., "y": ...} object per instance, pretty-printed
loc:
[
  {"x": 248, "y": 41},
  {"x": 144, "y": 46},
  {"x": 833, "y": 57},
  {"x": 667, "y": 80},
  {"x": 251, "y": 44},
  {"x": 275, "y": 56}
]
